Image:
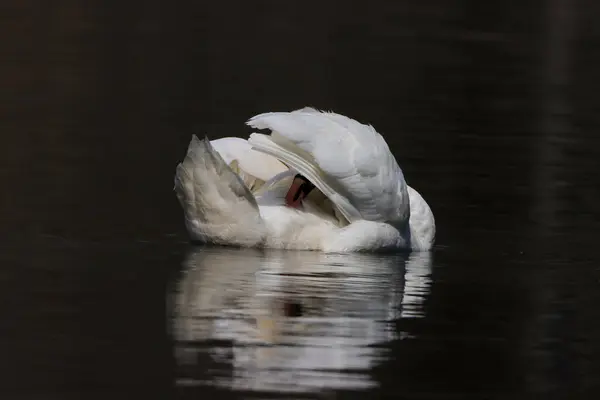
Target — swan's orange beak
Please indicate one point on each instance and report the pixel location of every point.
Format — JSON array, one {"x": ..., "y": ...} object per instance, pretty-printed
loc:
[{"x": 300, "y": 188}]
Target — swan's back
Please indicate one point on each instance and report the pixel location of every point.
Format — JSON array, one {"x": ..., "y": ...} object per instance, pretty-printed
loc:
[{"x": 351, "y": 157}]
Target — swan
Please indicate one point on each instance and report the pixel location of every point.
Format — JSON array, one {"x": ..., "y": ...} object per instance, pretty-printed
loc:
[{"x": 319, "y": 181}]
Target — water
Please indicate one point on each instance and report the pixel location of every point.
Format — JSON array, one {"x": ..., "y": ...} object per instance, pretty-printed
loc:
[
  {"x": 292, "y": 322},
  {"x": 490, "y": 109}
]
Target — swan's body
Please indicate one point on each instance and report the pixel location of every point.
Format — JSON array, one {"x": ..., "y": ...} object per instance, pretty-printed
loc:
[{"x": 233, "y": 191}]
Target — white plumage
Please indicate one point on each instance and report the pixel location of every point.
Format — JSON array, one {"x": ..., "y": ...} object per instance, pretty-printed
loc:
[
  {"x": 346, "y": 154},
  {"x": 365, "y": 203}
]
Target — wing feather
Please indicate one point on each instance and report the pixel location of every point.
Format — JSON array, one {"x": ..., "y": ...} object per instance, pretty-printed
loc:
[{"x": 348, "y": 152}]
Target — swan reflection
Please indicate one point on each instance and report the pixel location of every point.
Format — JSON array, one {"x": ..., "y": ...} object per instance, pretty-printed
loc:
[{"x": 291, "y": 321}]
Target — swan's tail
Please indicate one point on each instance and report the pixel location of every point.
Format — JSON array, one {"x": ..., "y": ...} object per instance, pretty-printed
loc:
[{"x": 217, "y": 206}]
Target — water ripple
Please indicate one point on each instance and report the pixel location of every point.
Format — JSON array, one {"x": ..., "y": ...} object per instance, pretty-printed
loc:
[{"x": 291, "y": 321}]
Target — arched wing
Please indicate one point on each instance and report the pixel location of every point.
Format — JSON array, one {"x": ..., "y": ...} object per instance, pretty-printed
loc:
[{"x": 349, "y": 161}]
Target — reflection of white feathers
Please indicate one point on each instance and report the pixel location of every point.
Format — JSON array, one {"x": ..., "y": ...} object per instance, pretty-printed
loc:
[
  {"x": 370, "y": 205},
  {"x": 417, "y": 281},
  {"x": 347, "y": 300}
]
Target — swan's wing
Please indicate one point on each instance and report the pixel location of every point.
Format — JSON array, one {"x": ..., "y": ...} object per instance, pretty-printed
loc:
[
  {"x": 255, "y": 163},
  {"x": 348, "y": 161}
]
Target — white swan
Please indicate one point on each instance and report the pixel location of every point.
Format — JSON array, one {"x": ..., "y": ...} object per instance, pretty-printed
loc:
[{"x": 258, "y": 192}]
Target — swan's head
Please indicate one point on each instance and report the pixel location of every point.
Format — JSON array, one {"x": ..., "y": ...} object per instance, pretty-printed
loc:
[
  {"x": 299, "y": 190},
  {"x": 302, "y": 194}
]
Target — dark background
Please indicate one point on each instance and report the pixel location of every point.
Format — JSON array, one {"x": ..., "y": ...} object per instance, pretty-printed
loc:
[{"x": 491, "y": 108}]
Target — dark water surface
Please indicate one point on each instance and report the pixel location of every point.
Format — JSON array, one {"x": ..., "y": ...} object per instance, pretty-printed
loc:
[{"x": 491, "y": 109}]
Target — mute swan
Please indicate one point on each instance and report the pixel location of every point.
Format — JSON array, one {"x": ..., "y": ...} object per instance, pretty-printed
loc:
[{"x": 319, "y": 181}]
